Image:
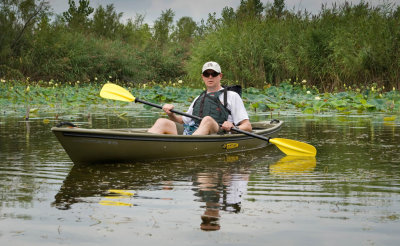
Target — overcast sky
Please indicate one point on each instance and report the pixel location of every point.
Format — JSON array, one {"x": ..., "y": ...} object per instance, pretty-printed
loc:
[{"x": 197, "y": 9}]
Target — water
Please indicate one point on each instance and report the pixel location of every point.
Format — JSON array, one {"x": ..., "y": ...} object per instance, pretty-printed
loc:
[{"x": 348, "y": 195}]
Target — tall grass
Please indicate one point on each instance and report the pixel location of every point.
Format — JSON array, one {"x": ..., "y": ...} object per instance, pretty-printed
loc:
[{"x": 353, "y": 45}]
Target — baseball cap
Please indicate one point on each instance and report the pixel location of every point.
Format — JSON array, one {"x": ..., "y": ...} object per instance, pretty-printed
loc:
[{"x": 211, "y": 65}]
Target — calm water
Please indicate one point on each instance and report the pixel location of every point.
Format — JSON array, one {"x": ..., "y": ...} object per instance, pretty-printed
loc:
[{"x": 348, "y": 195}]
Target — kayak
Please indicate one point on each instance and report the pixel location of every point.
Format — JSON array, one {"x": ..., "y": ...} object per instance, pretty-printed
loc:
[{"x": 90, "y": 146}]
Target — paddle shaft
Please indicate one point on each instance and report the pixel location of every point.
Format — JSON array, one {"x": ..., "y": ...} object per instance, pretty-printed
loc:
[{"x": 199, "y": 118}]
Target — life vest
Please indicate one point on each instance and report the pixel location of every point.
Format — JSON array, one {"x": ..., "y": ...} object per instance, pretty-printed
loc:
[{"x": 208, "y": 104}]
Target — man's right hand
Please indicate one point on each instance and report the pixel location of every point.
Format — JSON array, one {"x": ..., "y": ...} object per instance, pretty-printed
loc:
[{"x": 167, "y": 109}]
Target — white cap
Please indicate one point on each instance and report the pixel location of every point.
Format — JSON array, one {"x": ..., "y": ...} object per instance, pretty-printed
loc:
[{"x": 211, "y": 65}]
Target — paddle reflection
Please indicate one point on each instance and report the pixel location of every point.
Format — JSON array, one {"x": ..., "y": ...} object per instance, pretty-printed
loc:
[
  {"x": 293, "y": 165},
  {"x": 116, "y": 198}
]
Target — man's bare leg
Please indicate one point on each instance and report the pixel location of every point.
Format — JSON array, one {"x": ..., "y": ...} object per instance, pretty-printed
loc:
[
  {"x": 164, "y": 126},
  {"x": 207, "y": 126}
]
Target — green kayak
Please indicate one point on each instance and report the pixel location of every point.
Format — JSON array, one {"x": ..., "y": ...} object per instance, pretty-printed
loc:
[{"x": 129, "y": 145}]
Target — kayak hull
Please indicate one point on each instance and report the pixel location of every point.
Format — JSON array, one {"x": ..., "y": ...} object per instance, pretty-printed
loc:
[{"x": 91, "y": 146}]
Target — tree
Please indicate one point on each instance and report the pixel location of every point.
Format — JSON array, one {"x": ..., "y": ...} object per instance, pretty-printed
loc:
[
  {"x": 163, "y": 27},
  {"x": 228, "y": 15},
  {"x": 185, "y": 29},
  {"x": 77, "y": 17},
  {"x": 250, "y": 9},
  {"x": 106, "y": 22},
  {"x": 136, "y": 32},
  {"x": 277, "y": 9},
  {"x": 18, "y": 19}
]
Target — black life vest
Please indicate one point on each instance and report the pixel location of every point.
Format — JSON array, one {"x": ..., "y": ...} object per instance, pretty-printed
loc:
[{"x": 208, "y": 104}]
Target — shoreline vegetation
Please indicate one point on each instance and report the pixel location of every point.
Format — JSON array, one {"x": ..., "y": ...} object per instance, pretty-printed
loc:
[{"x": 263, "y": 47}]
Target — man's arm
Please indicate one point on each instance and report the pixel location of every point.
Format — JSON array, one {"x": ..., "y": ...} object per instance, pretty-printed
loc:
[
  {"x": 172, "y": 116},
  {"x": 245, "y": 125}
]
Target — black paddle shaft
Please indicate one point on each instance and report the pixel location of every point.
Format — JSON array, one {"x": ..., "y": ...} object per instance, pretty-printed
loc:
[
  {"x": 199, "y": 118},
  {"x": 173, "y": 110}
]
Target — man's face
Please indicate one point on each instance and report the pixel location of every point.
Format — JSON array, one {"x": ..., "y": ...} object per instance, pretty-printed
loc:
[{"x": 211, "y": 78}]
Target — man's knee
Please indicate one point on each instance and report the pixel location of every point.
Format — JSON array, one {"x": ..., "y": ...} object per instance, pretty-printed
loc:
[
  {"x": 207, "y": 126},
  {"x": 208, "y": 120},
  {"x": 164, "y": 122},
  {"x": 163, "y": 126}
]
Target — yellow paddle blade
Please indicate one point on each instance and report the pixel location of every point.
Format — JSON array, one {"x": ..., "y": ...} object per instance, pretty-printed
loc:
[
  {"x": 122, "y": 192},
  {"x": 116, "y": 92},
  {"x": 114, "y": 203},
  {"x": 292, "y": 147},
  {"x": 293, "y": 165}
]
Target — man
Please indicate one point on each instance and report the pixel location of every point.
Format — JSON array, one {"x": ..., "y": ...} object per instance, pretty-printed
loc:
[{"x": 210, "y": 106}]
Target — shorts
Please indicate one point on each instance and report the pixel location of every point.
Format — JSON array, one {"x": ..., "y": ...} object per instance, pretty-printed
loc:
[{"x": 189, "y": 129}]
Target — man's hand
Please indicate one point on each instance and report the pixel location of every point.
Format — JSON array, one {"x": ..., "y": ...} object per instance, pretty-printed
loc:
[
  {"x": 227, "y": 126},
  {"x": 167, "y": 109}
]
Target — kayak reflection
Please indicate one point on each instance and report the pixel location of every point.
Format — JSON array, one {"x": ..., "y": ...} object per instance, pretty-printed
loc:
[
  {"x": 293, "y": 165},
  {"x": 218, "y": 183}
]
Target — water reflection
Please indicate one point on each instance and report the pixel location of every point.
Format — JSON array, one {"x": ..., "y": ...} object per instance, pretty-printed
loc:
[
  {"x": 219, "y": 184},
  {"x": 293, "y": 165},
  {"x": 221, "y": 189}
]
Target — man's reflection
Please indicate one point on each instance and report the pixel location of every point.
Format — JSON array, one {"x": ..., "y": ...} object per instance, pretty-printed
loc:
[{"x": 220, "y": 190}]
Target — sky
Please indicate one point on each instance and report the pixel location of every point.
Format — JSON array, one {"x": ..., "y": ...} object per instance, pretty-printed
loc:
[{"x": 197, "y": 9}]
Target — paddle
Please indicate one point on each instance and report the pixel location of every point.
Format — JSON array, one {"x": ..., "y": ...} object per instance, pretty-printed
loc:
[{"x": 287, "y": 146}]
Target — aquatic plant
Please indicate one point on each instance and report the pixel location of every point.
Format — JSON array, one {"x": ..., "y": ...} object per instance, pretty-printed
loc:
[{"x": 28, "y": 96}]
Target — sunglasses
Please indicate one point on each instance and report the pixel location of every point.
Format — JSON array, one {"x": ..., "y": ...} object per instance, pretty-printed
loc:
[{"x": 207, "y": 74}]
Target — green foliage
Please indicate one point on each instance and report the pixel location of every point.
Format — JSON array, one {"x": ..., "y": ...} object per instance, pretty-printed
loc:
[
  {"x": 77, "y": 17},
  {"x": 255, "y": 44},
  {"x": 249, "y": 9},
  {"x": 10, "y": 73},
  {"x": 285, "y": 97},
  {"x": 162, "y": 28},
  {"x": 17, "y": 23},
  {"x": 185, "y": 30},
  {"x": 346, "y": 44},
  {"x": 106, "y": 22}
]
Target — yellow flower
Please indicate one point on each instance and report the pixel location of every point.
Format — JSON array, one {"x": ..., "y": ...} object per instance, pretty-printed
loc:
[
  {"x": 372, "y": 88},
  {"x": 3, "y": 80},
  {"x": 394, "y": 88},
  {"x": 180, "y": 81},
  {"x": 95, "y": 78},
  {"x": 308, "y": 92},
  {"x": 27, "y": 89},
  {"x": 317, "y": 98},
  {"x": 304, "y": 81}
]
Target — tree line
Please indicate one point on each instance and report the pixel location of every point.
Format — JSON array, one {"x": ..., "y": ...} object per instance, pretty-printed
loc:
[{"x": 256, "y": 44}]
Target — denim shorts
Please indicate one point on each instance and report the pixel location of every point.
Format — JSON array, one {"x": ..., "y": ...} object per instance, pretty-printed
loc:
[{"x": 189, "y": 129}]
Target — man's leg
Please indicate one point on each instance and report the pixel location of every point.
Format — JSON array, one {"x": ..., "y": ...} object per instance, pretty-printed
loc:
[
  {"x": 207, "y": 126},
  {"x": 164, "y": 126}
]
